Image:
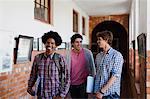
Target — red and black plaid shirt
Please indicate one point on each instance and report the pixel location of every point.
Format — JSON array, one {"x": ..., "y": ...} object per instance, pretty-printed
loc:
[{"x": 47, "y": 75}]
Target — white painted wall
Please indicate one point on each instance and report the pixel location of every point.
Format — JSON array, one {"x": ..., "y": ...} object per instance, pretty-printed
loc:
[
  {"x": 82, "y": 13},
  {"x": 145, "y": 19},
  {"x": 140, "y": 20},
  {"x": 134, "y": 23},
  {"x": 148, "y": 24},
  {"x": 131, "y": 25},
  {"x": 63, "y": 18},
  {"x": 17, "y": 16},
  {"x": 143, "y": 16}
]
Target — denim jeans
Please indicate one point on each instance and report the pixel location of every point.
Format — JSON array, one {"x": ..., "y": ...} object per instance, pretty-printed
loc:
[{"x": 112, "y": 96}]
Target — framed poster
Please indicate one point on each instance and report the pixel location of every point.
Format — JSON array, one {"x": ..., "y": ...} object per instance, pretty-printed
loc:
[
  {"x": 24, "y": 48},
  {"x": 6, "y": 51},
  {"x": 142, "y": 61},
  {"x": 142, "y": 45}
]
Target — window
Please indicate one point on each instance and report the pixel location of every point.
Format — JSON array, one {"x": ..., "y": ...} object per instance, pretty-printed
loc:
[
  {"x": 42, "y": 10},
  {"x": 83, "y": 26},
  {"x": 75, "y": 21}
]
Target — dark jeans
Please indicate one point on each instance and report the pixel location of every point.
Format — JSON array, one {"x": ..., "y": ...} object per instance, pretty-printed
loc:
[
  {"x": 113, "y": 96},
  {"x": 78, "y": 91}
]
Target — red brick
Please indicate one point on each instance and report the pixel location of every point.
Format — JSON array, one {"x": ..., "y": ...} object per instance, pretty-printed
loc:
[
  {"x": 148, "y": 53},
  {"x": 148, "y": 78},
  {"x": 148, "y": 71},
  {"x": 3, "y": 78},
  {"x": 148, "y": 59},
  {"x": 148, "y": 90},
  {"x": 148, "y": 65}
]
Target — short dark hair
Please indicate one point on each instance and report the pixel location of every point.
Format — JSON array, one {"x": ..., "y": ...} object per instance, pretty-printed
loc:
[
  {"x": 106, "y": 35},
  {"x": 54, "y": 35},
  {"x": 75, "y": 36}
]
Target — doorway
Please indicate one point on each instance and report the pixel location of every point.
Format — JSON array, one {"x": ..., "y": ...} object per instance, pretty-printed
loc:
[{"x": 120, "y": 34}]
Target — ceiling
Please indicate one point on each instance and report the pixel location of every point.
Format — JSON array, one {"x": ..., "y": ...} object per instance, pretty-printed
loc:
[{"x": 104, "y": 7}]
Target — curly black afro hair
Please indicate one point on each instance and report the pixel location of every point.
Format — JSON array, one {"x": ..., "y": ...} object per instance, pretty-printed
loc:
[{"x": 54, "y": 35}]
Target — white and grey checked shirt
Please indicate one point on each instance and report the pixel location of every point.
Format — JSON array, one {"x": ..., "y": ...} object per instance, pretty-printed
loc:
[{"x": 108, "y": 65}]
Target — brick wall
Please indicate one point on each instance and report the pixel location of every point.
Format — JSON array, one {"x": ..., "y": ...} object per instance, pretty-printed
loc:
[
  {"x": 134, "y": 73},
  {"x": 148, "y": 75},
  {"x": 95, "y": 20},
  {"x": 13, "y": 84},
  {"x": 140, "y": 81}
]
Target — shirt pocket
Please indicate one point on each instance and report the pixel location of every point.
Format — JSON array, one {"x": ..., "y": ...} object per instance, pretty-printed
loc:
[{"x": 40, "y": 67}]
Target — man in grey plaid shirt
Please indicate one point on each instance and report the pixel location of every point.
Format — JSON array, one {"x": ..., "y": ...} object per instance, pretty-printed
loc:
[{"x": 109, "y": 64}]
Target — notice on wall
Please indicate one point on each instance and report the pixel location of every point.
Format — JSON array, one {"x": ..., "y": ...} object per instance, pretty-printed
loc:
[{"x": 6, "y": 51}]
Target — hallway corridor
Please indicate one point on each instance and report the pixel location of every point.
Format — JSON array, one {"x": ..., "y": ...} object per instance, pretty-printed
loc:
[{"x": 21, "y": 20}]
